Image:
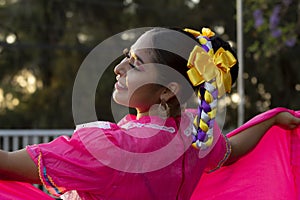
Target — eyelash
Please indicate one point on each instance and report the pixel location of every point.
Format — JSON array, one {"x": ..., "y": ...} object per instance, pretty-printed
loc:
[
  {"x": 132, "y": 65},
  {"x": 126, "y": 54}
]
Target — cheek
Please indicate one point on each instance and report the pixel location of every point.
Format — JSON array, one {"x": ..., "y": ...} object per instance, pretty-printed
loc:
[
  {"x": 146, "y": 94},
  {"x": 142, "y": 85},
  {"x": 137, "y": 82}
]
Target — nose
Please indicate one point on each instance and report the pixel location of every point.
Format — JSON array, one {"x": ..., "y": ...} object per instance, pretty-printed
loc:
[{"x": 122, "y": 68}]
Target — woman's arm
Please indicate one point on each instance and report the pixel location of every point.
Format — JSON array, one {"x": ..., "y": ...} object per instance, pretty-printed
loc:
[
  {"x": 18, "y": 166},
  {"x": 247, "y": 139}
]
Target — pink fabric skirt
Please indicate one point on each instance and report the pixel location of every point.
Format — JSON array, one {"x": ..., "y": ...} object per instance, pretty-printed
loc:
[
  {"x": 10, "y": 190},
  {"x": 271, "y": 171}
]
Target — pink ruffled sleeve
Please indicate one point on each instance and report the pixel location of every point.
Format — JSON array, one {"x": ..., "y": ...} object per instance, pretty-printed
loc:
[{"x": 65, "y": 164}]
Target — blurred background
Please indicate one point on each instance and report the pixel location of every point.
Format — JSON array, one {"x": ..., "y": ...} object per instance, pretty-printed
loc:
[{"x": 44, "y": 42}]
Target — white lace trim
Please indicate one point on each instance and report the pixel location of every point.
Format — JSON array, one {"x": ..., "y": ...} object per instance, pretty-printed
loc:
[
  {"x": 189, "y": 129},
  {"x": 127, "y": 126},
  {"x": 70, "y": 195},
  {"x": 98, "y": 124},
  {"x": 131, "y": 125}
]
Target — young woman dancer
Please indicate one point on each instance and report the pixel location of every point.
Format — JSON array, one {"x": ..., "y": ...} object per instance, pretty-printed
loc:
[{"x": 163, "y": 150}]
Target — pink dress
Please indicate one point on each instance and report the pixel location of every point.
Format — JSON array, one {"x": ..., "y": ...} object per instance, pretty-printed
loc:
[
  {"x": 144, "y": 159},
  {"x": 271, "y": 171},
  {"x": 11, "y": 190}
]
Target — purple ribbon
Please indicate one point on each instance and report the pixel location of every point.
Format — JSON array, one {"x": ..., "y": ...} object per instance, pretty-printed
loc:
[
  {"x": 201, "y": 135},
  {"x": 215, "y": 94},
  {"x": 205, "y": 106}
]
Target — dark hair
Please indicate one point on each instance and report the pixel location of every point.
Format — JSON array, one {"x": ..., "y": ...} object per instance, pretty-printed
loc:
[
  {"x": 180, "y": 64},
  {"x": 207, "y": 92}
]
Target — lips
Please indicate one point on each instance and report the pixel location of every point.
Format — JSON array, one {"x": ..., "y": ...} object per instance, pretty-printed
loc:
[{"x": 120, "y": 86}]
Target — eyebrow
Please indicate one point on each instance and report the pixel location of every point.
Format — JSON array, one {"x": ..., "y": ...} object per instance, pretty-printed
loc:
[
  {"x": 136, "y": 57},
  {"x": 126, "y": 51}
]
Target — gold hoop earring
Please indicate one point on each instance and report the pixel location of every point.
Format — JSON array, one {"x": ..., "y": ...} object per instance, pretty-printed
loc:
[{"x": 163, "y": 109}]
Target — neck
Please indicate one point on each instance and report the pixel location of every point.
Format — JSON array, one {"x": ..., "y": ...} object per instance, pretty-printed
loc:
[
  {"x": 142, "y": 114},
  {"x": 153, "y": 111}
]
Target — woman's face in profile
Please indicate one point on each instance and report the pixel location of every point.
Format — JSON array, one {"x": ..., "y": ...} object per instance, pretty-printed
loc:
[{"x": 136, "y": 80}]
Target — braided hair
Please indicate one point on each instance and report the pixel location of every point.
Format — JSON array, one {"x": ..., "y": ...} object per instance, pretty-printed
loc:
[{"x": 207, "y": 91}]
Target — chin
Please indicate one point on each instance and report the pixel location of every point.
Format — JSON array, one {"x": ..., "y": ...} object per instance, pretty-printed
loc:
[{"x": 119, "y": 99}]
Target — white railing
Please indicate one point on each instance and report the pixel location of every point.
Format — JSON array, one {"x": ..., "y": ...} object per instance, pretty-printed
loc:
[{"x": 11, "y": 140}]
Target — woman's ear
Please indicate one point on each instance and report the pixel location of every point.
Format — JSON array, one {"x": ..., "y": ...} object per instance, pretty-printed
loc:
[{"x": 170, "y": 91}]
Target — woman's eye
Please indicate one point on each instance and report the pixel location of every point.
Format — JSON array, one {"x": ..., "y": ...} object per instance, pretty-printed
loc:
[
  {"x": 131, "y": 60},
  {"x": 133, "y": 65}
]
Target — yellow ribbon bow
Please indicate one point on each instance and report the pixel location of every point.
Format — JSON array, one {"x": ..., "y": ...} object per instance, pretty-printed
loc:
[
  {"x": 204, "y": 32},
  {"x": 204, "y": 67}
]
